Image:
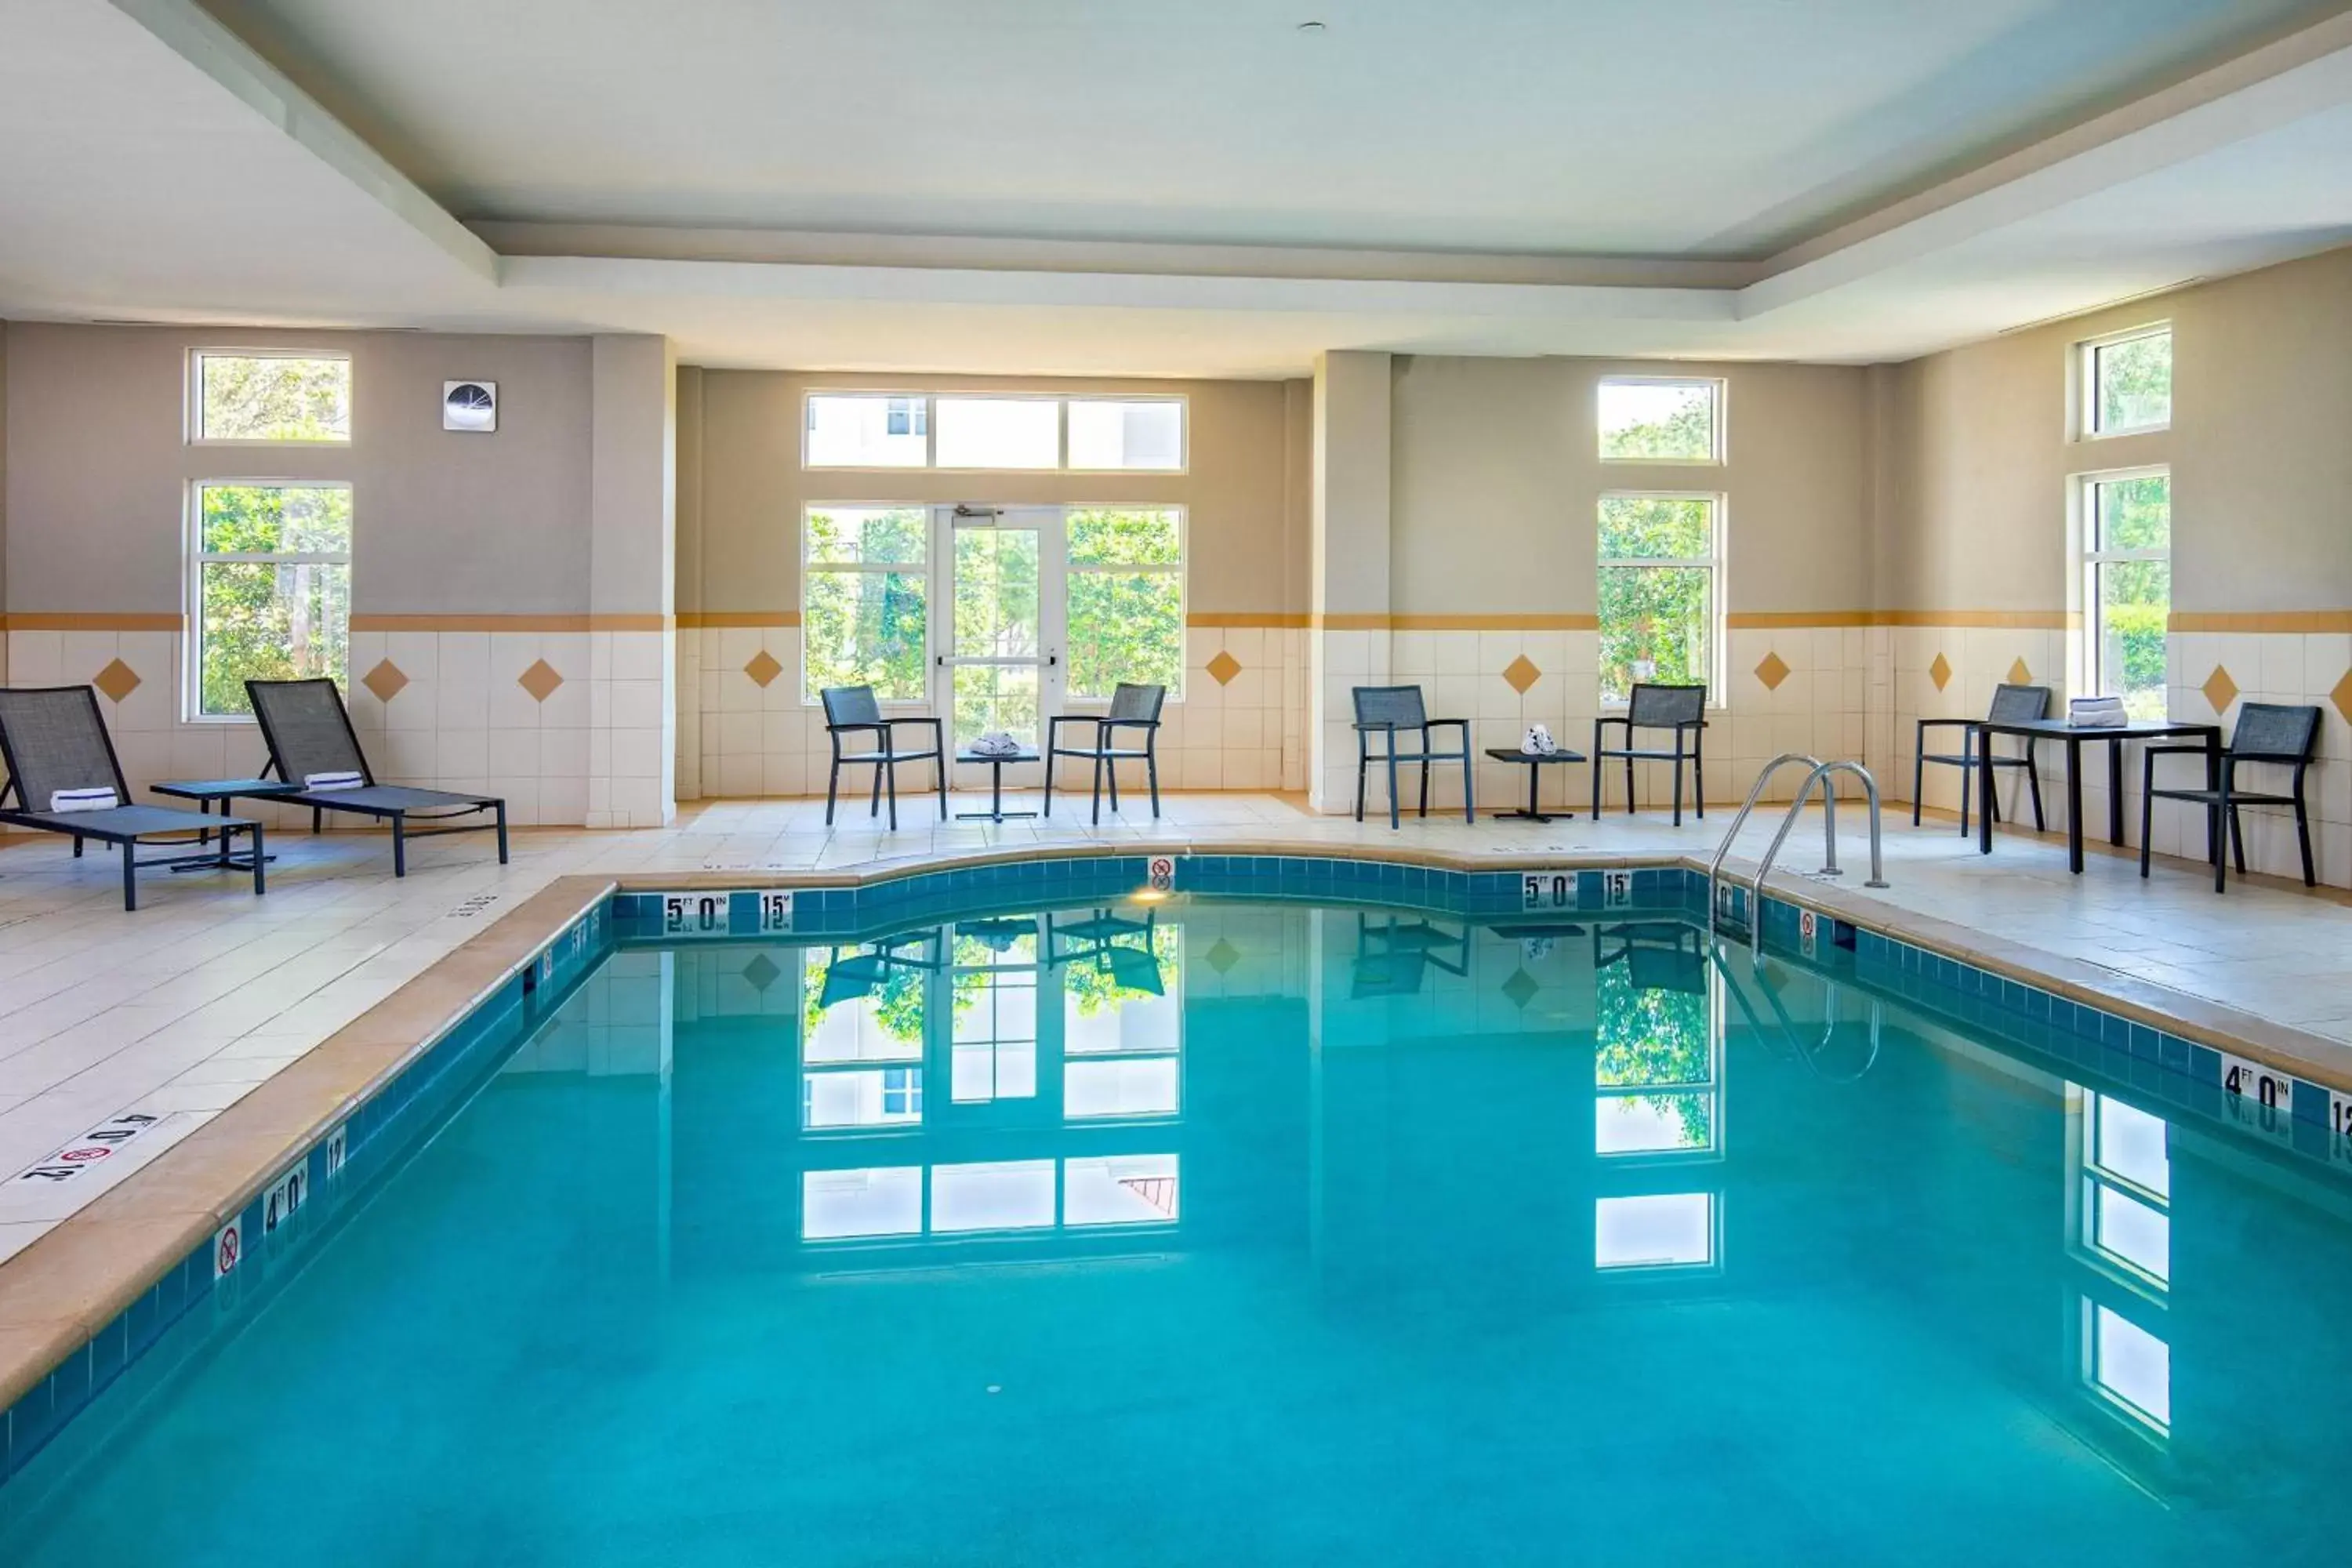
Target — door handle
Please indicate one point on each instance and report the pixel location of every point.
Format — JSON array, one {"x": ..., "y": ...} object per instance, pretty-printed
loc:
[{"x": 1052, "y": 658}]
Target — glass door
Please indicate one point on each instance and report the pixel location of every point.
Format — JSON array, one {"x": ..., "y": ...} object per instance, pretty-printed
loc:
[{"x": 999, "y": 659}]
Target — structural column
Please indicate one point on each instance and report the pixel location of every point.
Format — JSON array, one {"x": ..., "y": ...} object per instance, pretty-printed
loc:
[
  {"x": 632, "y": 583},
  {"x": 1348, "y": 630}
]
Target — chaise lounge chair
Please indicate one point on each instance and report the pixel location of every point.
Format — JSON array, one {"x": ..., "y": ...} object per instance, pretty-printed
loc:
[
  {"x": 311, "y": 741},
  {"x": 55, "y": 743}
]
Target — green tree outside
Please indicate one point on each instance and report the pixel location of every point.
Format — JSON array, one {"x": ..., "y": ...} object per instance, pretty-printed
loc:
[
  {"x": 273, "y": 397},
  {"x": 271, "y": 620},
  {"x": 1125, "y": 625},
  {"x": 1663, "y": 616},
  {"x": 1654, "y": 1037},
  {"x": 864, "y": 626}
]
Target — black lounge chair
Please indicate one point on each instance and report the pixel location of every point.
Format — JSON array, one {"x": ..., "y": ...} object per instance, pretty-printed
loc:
[
  {"x": 1681, "y": 709},
  {"x": 1133, "y": 706},
  {"x": 53, "y": 739},
  {"x": 1393, "y": 711},
  {"x": 852, "y": 709},
  {"x": 2277, "y": 733},
  {"x": 2010, "y": 705},
  {"x": 309, "y": 734}
]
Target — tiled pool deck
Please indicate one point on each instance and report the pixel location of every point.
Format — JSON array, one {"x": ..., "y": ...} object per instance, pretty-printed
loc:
[{"x": 183, "y": 1009}]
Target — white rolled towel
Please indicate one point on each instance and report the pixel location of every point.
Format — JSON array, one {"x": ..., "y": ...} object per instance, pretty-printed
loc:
[
  {"x": 99, "y": 799},
  {"x": 323, "y": 782}
]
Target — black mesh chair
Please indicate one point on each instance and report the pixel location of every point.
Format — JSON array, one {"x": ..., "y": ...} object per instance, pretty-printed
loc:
[
  {"x": 1681, "y": 709},
  {"x": 309, "y": 733},
  {"x": 1393, "y": 711},
  {"x": 2274, "y": 733},
  {"x": 54, "y": 741},
  {"x": 2010, "y": 705},
  {"x": 853, "y": 710},
  {"x": 1133, "y": 706}
]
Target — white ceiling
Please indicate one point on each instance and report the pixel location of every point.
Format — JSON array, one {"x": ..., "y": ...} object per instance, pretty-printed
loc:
[
  {"x": 1712, "y": 127},
  {"x": 154, "y": 166}
]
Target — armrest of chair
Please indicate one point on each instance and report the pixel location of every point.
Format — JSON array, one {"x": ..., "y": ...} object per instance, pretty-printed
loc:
[
  {"x": 1461, "y": 725},
  {"x": 939, "y": 730},
  {"x": 1058, "y": 720},
  {"x": 2149, "y": 754}
]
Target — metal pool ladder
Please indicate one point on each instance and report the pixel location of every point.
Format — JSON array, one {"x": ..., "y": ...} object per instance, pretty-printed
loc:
[{"x": 1823, "y": 774}]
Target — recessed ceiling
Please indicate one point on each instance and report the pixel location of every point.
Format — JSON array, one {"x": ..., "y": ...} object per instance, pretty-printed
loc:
[{"x": 1710, "y": 128}]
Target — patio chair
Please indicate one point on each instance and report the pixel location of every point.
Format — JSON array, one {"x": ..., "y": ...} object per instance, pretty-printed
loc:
[
  {"x": 1681, "y": 709},
  {"x": 55, "y": 743},
  {"x": 1133, "y": 706},
  {"x": 2010, "y": 704},
  {"x": 853, "y": 710},
  {"x": 312, "y": 744},
  {"x": 2276, "y": 733},
  {"x": 1395, "y": 710}
]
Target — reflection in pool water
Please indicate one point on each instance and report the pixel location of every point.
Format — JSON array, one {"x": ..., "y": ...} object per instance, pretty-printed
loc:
[{"x": 1219, "y": 1231}]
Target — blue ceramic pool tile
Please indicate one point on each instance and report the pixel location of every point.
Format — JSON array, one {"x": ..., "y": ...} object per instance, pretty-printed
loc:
[{"x": 2205, "y": 1065}]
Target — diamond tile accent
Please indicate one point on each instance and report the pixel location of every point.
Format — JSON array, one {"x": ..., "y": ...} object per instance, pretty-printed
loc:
[
  {"x": 2219, "y": 691},
  {"x": 2019, "y": 675},
  {"x": 387, "y": 680},
  {"x": 1224, "y": 956},
  {"x": 1772, "y": 671},
  {"x": 763, "y": 667},
  {"x": 1940, "y": 672},
  {"x": 541, "y": 681},
  {"x": 2342, "y": 695},
  {"x": 761, "y": 972},
  {"x": 1522, "y": 673},
  {"x": 1224, "y": 666},
  {"x": 118, "y": 680},
  {"x": 1521, "y": 988}
]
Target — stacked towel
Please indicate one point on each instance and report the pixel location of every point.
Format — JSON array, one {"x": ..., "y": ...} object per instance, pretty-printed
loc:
[
  {"x": 323, "y": 782},
  {"x": 2096, "y": 712},
  {"x": 1538, "y": 742},
  {"x": 99, "y": 799},
  {"x": 996, "y": 743}
]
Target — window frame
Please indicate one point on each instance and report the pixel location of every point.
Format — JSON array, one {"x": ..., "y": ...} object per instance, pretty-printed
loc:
[
  {"x": 1182, "y": 570},
  {"x": 2087, "y": 384},
  {"x": 1715, "y": 564},
  {"x": 922, "y": 568},
  {"x": 196, "y": 558},
  {"x": 1718, "y": 389},
  {"x": 194, "y": 374},
  {"x": 925, "y": 410},
  {"x": 2090, "y": 555}
]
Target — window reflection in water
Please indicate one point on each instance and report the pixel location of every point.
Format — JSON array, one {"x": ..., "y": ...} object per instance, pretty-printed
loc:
[
  {"x": 2119, "y": 1221},
  {"x": 860, "y": 1005},
  {"x": 1662, "y": 1230},
  {"x": 1658, "y": 1062},
  {"x": 994, "y": 1029},
  {"x": 1122, "y": 1019}
]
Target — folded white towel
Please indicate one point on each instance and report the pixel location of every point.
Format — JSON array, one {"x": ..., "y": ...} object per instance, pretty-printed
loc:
[
  {"x": 2096, "y": 712},
  {"x": 83, "y": 800},
  {"x": 996, "y": 743},
  {"x": 1538, "y": 742},
  {"x": 335, "y": 781}
]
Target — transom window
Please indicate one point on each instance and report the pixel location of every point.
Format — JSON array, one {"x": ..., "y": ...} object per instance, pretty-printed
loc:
[
  {"x": 2126, "y": 521},
  {"x": 2126, "y": 383},
  {"x": 266, "y": 397},
  {"x": 270, "y": 583},
  {"x": 1660, "y": 591},
  {"x": 1654, "y": 419},
  {"x": 1000, "y": 431}
]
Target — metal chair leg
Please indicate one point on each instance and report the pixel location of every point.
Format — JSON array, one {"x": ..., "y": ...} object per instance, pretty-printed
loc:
[
  {"x": 891, "y": 772},
  {"x": 1918, "y": 776},
  {"x": 2034, "y": 787},
  {"x": 1395, "y": 811},
  {"x": 130, "y": 875},
  {"x": 399, "y": 846},
  {"x": 832, "y": 783},
  {"x": 1152, "y": 775},
  {"x": 502, "y": 833},
  {"x": 252, "y": 838},
  {"x": 1099, "y": 772},
  {"x": 1049, "y": 770},
  {"x": 2303, "y": 834}
]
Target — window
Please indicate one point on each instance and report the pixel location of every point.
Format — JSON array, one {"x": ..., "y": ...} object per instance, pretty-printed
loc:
[
  {"x": 1660, "y": 600},
  {"x": 2126, "y": 520},
  {"x": 865, "y": 589},
  {"x": 1126, "y": 434},
  {"x": 1667, "y": 1230},
  {"x": 2126, "y": 1220},
  {"x": 1123, "y": 1189},
  {"x": 1657, "y": 1087},
  {"x": 2128, "y": 1367},
  {"x": 998, "y": 433},
  {"x": 994, "y": 431},
  {"x": 1124, "y": 583},
  {"x": 270, "y": 579},
  {"x": 2126, "y": 383},
  {"x": 1004, "y": 1195},
  {"x": 839, "y": 1204},
  {"x": 869, "y": 431},
  {"x": 1644, "y": 419},
  {"x": 992, "y": 1048},
  {"x": 272, "y": 398}
]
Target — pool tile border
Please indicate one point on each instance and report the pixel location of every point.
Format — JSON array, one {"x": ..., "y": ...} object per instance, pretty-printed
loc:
[{"x": 81, "y": 1305}]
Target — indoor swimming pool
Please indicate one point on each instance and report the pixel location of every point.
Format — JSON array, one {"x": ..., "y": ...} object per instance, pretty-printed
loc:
[{"x": 1200, "y": 1229}]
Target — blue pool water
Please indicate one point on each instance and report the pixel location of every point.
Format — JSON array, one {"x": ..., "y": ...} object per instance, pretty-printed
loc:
[{"x": 1218, "y": 1232}]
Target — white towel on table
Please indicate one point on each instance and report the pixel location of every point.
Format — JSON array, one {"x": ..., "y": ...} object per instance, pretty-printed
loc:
[
  {"x": 996, "y": 743},
  {"x": 2097, "y": 713},
  {"x": 99, "y": 799},
  {"x": 323, "y": 782}
]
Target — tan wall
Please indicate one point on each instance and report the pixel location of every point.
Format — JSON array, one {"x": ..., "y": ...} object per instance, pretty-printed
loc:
[
  {"x": 1241, "y": 499},
  {"x": 444, "y": 522},
  {"x": 1976, "y": 458},
  {"x": 1506, "y": 452}
]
